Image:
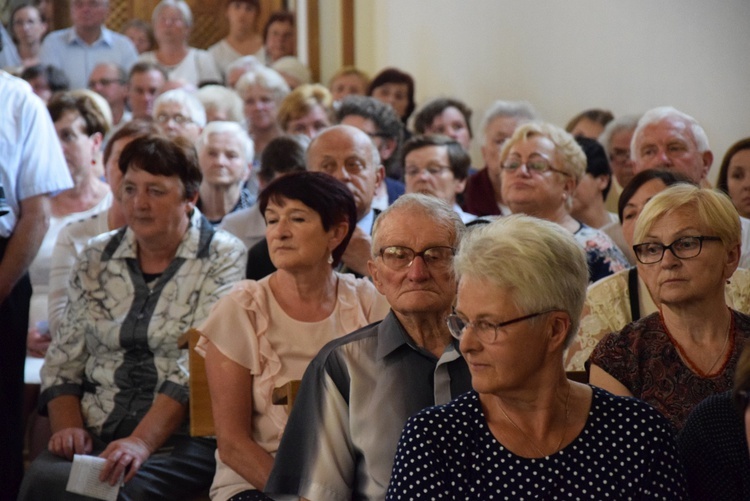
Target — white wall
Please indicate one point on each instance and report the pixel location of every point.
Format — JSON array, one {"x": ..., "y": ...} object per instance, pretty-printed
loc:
[{"x": 565, "y": 56}]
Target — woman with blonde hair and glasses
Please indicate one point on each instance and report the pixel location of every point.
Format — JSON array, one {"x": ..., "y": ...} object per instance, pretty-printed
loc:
[
  {"x": 688, "y": 247},
  {"x": 541, "y": 166},
  {"x": 525, "y": 431}
]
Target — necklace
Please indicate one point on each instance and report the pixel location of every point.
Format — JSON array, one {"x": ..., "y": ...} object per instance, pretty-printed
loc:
[
  {"x": 533, "y": 444},
  {"x": 690, "y": 363}
]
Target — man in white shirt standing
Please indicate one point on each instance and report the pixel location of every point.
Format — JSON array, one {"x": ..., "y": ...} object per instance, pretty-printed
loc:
[{"x": 31, "y": 168}]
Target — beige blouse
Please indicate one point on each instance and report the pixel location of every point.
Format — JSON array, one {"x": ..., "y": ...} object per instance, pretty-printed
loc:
[
  {"x": 607, "y": 309},
  {"x": 250, "y": 327}
]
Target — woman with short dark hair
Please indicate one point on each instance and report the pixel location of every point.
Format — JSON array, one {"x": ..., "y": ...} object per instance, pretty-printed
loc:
[{"x": 264, "y": 333}]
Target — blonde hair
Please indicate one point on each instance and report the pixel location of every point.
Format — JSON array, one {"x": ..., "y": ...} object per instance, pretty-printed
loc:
[
  {"x": 350, "y": 70},
  {"x": 567, "y": 150},
  {"x": 714, "y": 211},
  {"x": 538, "y": 261},
  {"x": 301, "y": 100}
]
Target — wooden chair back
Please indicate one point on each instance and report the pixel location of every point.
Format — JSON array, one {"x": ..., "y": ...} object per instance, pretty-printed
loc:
[{"x": 201, "y": 416}]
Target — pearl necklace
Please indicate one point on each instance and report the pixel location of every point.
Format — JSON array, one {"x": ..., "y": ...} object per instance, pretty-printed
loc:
[{"x": 536, "y": 448}]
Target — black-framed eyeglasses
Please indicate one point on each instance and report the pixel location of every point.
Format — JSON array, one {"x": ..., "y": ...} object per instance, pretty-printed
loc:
[
  {"x": 682, "y": 248},
  {"x": 485, "y": 331},
  {"x": 398, "y": 258},
  {"x": 539, "y": 165}
]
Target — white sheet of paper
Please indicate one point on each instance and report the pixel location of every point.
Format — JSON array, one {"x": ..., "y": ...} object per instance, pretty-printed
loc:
[{"x": 84, "y": 478}]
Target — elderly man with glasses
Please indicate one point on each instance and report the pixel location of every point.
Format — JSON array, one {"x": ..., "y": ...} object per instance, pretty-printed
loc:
[
  {"x": 78, "y": 49},
  {"x": 359, "y": 391}
]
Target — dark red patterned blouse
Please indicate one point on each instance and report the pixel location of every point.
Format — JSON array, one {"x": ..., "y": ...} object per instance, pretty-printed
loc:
[{"x": 642, "y": 357}]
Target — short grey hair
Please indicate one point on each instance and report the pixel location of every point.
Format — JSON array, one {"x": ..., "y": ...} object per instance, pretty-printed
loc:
[
  {"x": 538, "y": 261},
  {"x": 246, "y": 143},
  {"x": 219, "y": 97},
  {"x": 440, "y": 212},
  {"x": 183, "y": 98},
  {"x": 180, "y": 5},
  {"x": 265, "y": 77},
  {"x": 619, "y": 124},
  {"x": 520, "y": 110},
  {"x": 656, "y": 115}
]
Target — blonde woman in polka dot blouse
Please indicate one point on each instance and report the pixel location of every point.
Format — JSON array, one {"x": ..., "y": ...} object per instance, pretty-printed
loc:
[{"x": 526, "y": 431}]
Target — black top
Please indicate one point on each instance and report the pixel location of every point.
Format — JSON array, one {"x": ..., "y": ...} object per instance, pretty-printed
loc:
[{"x": 713, "y": 448}]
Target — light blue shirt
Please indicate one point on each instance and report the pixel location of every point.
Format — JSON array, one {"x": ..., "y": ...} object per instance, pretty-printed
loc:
[{"x": 66, "y": 50}]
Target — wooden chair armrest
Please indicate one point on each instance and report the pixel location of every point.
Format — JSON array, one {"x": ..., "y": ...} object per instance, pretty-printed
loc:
[{"x": 286, "y": 394}]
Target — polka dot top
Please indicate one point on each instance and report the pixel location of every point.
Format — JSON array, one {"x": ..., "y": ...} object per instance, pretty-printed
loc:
[{"x": 626, "y": 450}]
